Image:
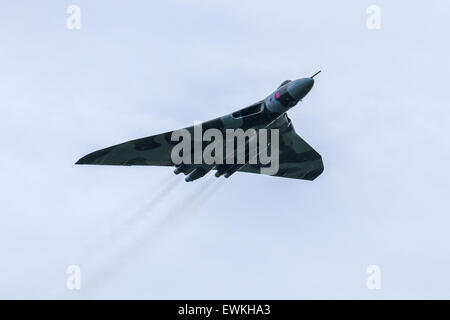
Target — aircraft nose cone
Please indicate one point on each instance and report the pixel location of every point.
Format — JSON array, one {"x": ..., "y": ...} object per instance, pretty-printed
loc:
[{"x": 300, "y": 87}]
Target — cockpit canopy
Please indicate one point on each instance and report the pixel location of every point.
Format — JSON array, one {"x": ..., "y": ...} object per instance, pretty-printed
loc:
[
  {"x": 283, "y": 97},
  {"x": 283, "y": 83}
]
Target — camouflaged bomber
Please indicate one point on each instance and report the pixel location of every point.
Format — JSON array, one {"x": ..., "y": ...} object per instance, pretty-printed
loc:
[{"x": 297, "y": 159}]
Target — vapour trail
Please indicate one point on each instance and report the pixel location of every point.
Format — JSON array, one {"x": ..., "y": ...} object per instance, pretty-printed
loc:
[
  {"x": 208, "y": 194},
  {"x": 143, "y": 211},
  {"x": 167, "y": 222},
  {"x": 124, "y": 227}
]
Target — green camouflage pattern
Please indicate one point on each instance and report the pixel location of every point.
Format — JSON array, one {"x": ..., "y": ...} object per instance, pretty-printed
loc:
[{"x": 297, "y": 159}]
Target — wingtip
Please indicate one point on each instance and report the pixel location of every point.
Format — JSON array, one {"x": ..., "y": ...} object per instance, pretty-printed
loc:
[
  {"x": 91, "y": 158},
  {"x": 96, "y": 157},
  {"x": 82, "y": 160}
]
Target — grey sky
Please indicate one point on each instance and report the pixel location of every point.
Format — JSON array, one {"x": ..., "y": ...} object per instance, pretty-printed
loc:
[{"x": 378, "y": 115}]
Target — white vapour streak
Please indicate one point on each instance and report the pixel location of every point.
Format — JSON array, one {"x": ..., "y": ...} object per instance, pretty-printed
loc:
[
  {"x": 169, "y": 220},
  {"x": 125, "y": 227}
]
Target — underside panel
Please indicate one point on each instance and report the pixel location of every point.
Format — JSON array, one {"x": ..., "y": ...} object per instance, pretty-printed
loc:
[{"x": 297, "y": 159}]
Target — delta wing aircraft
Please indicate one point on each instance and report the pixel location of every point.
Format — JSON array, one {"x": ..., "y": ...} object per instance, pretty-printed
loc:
[{"x": 296, "y": 158}]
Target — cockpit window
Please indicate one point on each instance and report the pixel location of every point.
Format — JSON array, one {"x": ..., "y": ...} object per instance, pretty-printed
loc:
[
  {"x": 283, "y": 83},
  {"x": 256, "y": 108},
  {"x": 283, "y": 96}
]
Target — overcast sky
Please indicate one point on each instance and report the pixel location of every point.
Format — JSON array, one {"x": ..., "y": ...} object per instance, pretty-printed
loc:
[{"x": 378, "y": 114}]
